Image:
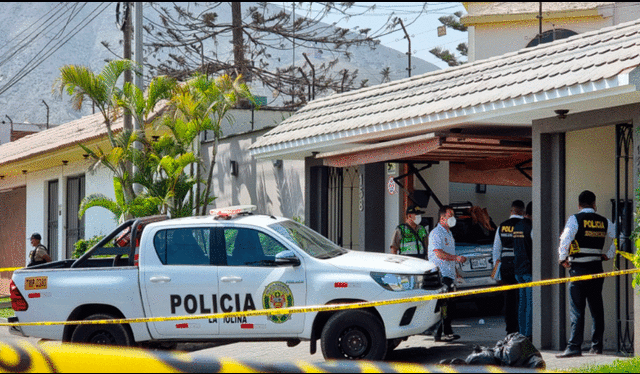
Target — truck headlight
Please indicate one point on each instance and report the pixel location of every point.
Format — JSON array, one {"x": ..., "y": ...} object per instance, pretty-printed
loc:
[{"x": 398, "y": 282}]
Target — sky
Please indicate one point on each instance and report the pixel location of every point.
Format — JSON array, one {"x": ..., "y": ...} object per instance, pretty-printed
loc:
[{"x": 422, "y": 31}]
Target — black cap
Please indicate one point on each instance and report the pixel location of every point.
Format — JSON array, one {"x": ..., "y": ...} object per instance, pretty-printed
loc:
[
  {"x": 414, "y": 209},
  {"x": 36, "y": 236}
]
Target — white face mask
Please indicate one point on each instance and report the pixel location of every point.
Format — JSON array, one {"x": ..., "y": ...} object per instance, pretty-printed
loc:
[
  {"x": 451, "y": 221},
  {"x": 418, "y": 219}
]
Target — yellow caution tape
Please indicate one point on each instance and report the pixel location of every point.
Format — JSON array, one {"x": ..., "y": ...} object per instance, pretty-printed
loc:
[
  {"x": 334, "y": 307},
  {"x": 626, "y": 255},
  {"x": 26, "y": 357},
  {"x": 10, "y": 269}
]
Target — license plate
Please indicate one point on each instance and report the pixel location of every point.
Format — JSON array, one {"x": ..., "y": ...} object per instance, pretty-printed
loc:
[
  {"x": 478, "y": 263},
  {"x": 35, "y": 283}
]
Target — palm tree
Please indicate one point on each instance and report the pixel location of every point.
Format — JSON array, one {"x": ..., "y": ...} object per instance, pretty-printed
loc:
[
  {"x": 139, "y": 207},
  {"x": 81, "y": 83},
  {"x": 199, "y": 105}
]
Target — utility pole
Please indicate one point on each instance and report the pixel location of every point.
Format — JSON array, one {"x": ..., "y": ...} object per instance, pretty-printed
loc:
[
  {"x": 293, "y": 71},
  {"x": 406, "y": 34},
  {"x": 126, "y": 29},
  {"x": 137, "y": 188},
  {"x": 238, "y": 39},
  {"x": 138, "y": 41},
  {"x": 540, "y": 24},
  {"x": 313, "y": 75},
  {"x": 45, "y": 104}
]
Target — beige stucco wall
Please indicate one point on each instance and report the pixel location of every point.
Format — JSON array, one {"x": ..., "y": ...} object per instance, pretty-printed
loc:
[
  {"x": 495, "y": 39},
  {"x": 590, "y": 165},
  {"x": 276, "y": 190}
]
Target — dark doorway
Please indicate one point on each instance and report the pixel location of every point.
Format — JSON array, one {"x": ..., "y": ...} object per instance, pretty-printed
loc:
[
  {"x": 52, "y": 219},
  {"x": 75, "y": 225}
]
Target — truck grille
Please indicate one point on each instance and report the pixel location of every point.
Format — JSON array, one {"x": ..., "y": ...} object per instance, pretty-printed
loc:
[{"x": 432, "y": 280}]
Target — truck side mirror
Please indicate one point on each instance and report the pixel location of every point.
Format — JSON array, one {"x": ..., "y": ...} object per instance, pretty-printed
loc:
[{"x": 287, "y": 258}]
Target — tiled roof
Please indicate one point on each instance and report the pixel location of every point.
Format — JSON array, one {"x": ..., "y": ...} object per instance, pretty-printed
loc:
[
  {"x": 587, "y": 59},
  {"x": 81, "y": 130},
  {"x": 62, "y": 136}
]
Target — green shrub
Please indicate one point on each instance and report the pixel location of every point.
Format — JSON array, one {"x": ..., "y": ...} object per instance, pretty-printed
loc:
[{"x": 84, "y": 245}]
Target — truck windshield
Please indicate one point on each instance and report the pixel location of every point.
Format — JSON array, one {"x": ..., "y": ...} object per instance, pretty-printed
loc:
[{"x": 308, "y": 240}]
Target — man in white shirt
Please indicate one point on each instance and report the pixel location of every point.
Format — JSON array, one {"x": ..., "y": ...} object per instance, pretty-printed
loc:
[
  {"x": 442, "y": 252},
  {"x": 581, "y": 251}
]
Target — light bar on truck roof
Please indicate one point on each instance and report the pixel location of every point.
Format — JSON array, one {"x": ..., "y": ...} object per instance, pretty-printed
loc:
[{"x": 232, "y": 211}]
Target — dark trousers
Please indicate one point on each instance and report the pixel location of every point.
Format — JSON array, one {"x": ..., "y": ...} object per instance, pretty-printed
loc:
[
  {"x": 580, "y": 293},
  {"x": 511, "y": 300},
  {"x": 447, "y": 307}
]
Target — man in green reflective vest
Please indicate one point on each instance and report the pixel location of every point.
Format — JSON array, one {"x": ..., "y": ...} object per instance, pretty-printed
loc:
[{"x": 411, "y": 238}]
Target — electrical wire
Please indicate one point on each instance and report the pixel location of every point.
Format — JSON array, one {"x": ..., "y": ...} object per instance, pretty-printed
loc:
[
  {"x": 73, "y": 32},
  {"x": 48, "y": 25}
]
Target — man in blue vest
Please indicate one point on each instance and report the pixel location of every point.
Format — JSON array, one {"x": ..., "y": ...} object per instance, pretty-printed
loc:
[
  {"x": 581, "y": 251},
  {"x": 411, "y": 238}
]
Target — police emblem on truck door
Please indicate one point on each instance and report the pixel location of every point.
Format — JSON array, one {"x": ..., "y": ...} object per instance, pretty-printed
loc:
[{"x": 275, "y": 296}]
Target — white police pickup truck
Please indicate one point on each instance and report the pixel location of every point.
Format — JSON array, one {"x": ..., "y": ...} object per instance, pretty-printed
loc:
[{"x": 230, "y": 261}]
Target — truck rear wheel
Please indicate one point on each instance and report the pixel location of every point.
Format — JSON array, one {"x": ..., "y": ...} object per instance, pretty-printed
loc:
[
  {"x": 102, "y": 334},
  {"x": 353, "y": 335}
]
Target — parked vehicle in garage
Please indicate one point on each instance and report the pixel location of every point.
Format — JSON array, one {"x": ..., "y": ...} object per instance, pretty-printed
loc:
[{"x": 474, "y": 234}]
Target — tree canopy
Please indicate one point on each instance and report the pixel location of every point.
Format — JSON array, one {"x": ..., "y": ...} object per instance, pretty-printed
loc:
[{"x": 196, "y": 37}]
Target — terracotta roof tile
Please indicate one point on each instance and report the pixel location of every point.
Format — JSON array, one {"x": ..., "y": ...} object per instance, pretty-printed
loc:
[{"x": 75, "y": 132}]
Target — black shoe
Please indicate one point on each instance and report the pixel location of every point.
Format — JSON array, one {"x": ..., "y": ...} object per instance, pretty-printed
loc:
[
  {"x": 570, "y": 353},
  {"x": 595, "y": 351},
  {"x": 450, "y": 337}
]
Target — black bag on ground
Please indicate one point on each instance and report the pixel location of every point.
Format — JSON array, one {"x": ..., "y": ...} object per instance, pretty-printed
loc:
[
  {"x": 482, "y": 356},
  {"x": 517, "y": 350}
]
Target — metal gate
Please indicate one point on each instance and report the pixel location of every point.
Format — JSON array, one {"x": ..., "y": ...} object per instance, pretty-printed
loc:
[
  {"x": 52, "y": 219},
  {"x": 623, "y": 218},
  {"x": 342, "y": 215},
  {"x": 75, "y": 226}
]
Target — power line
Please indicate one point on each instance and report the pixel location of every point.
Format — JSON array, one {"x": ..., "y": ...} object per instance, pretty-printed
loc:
[
  {"x": 27, "y": 69},
  {"x": 28, "y": 40}
]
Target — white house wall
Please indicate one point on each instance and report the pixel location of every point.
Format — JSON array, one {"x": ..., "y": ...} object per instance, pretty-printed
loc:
[
  {"x": 277, "y": 190},
  {"x": 590, "y": 167},
  {"x": 98, "y": 221},
  {"x": 497, "y": 39}
]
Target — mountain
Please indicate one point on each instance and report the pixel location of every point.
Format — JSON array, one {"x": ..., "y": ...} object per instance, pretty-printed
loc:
[{"x": 29, "y": 32}]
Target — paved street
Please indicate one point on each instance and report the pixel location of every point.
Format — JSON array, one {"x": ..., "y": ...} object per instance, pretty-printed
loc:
[{"x": 418, "y": 349}]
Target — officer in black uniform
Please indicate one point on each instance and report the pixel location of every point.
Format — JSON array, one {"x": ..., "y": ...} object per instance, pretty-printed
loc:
[
  {"x": 581, "y": 251},
  {"x": 503, "y": 253}
]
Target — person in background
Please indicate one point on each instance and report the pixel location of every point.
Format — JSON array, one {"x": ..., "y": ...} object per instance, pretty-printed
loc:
[
  {"x": 503, "y": 253},
  {"x": 411, "y": 238},
  {"x": 40, "y": 254},
  {"x": 581, "y": 251},
  {"x": 442, "y": 252},
  {"x": 522, "y": 250}
]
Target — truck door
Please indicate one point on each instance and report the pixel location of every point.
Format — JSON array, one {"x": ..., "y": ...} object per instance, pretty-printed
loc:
[
  {"x": 181, "y": 278},
  {"x": 251, "y": 280}
]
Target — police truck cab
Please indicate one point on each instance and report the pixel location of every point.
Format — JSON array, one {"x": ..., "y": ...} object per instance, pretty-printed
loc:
[{"x": 230, "y": 261}]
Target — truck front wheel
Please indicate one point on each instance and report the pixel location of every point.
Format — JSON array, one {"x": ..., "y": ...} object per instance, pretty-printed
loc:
[
  {"x": 353, "y": 334},
  {"x": 102, "y": 334}
]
